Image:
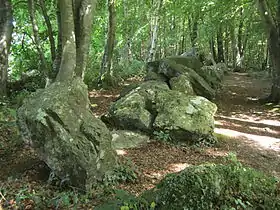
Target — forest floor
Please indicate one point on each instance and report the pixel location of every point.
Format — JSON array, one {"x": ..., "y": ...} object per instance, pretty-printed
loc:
[{"x": 243, "y": 126}]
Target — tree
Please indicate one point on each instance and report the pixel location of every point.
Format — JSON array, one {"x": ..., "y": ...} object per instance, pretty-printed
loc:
[
  {"x": 44, "y": 66},
  {"x": 6, "y": 28},
  {"x": 154, "y": 29},
  {"x": 75, "y": 27},
  {"x": 106, "y": 64},
  {"x": 272, "y": 26}
]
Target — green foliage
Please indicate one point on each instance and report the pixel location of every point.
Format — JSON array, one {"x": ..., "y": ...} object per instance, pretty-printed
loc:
[
  {"x": 39, "y": 197},
  {"x": 162, "y": 136},
  {"x": 230, "y": 186},
  {"x": 122, "y": 173},
  {"x": 125, "y": 201},
  {"x": 7, "y": 115},
  {"x": 17, "y": 98},
  {"x": 129, "y": 69},
  {"x": 205, "y": 141},
  {"x": 90, "y": 79}
]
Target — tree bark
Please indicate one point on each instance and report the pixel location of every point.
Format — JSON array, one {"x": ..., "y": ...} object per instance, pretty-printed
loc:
[
  {"x": 106, "y": 64},
  {"x": 272, "y": 29},
  {"x": 6, "y": 29},
  {"x": 193, "y": 26},
  {"x": 221, "y": 57},
  {"x": 154, "y": 30},
  {"x": 68, "y": 42},
  {"x": 83, "y": 30},
  {"x": 49, "y": 28},
  {"x": 44, "y": 66},
  {"x": 213, "y": 49}
]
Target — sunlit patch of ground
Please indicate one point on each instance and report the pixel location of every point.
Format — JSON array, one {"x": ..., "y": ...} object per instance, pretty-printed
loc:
[{"x": 253, "y": 129}]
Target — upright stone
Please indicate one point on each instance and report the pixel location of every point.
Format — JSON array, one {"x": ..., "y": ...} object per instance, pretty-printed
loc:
[{"x": 73, "y": 143}]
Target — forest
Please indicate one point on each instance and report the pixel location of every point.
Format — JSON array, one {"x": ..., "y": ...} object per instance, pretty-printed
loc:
[{"x": 139, "y": 104}]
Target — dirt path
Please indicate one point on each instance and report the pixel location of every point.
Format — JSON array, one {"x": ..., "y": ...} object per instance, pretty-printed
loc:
[{"x": 254, "y": 129}]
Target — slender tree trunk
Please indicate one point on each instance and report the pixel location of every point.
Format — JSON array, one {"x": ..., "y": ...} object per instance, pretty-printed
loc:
[
  {"x": 106, "y": 64},
  {"x": 240, "y": 49},
  {"x": 193, "y": 28},
  {"x": 154, "y": 27},
  {"x": 272, "y": 29},
  {"x": 58, "y": 54},
  {"x": 183, "y": 38},
  {"x": 227, "y": 46},
  {"x": 6, "y": 29},
  {"x": 83, "y": 29},
  {"x": 233, "y": 44},
  {"x": 49, "y": 28},
  {"x": 213, "y": 49},
  {"x": 44, "y": 65},
  {"x": 220, "y": 45}
]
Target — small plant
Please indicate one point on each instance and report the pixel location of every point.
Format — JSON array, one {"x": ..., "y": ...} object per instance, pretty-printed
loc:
[
  {"x": 126, "y": 201},
  {"x": 124, "y": 172},
  {"x": 162, "y": 136}
]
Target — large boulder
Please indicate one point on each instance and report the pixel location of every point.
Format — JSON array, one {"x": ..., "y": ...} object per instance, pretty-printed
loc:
[
  {"x": 190, "y": 62},
  {"x": 170, "y": 69},
  {"x": 134, "y": 110},
  {"x": 154, "y": 107},
  {"x": 185, "y": 118},
  {"x": 182, "y": 84},
  {"x": 63, "y": 131},
  {"x": 213, "y": 75}
]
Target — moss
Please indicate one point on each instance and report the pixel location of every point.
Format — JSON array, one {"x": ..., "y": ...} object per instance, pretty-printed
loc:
[{"x": 216, "y": 187}]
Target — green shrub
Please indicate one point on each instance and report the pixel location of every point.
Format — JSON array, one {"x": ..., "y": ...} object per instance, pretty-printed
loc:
[
  {"x": 7, "y": 115},
  {"x": 230, "y": 186},
  {"x": 162, "y": 136},
  {"x": 129, "y": 69},
  {"x": 90, "y": 77},
  {"x": 123, "y": 173},
  {"x": 126, "y": 201}
]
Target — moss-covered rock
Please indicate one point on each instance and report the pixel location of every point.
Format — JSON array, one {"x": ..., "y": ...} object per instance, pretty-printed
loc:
[
  {"x": 185, "y": 117},
  {"x": 134, "y": 111},
  {"x": 66, "y": 135},
  {"x": 154, "y": 107},
  {"x": 128, "y": 139},
  {"x": 182, "y": 84},
  {"x": 190, "y": 62},
  {"x": 200, "y": 86},
  {"x": 215, "y": 187}
]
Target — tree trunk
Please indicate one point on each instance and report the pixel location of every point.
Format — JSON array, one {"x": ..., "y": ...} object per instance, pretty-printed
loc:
[
  {"x": 154, "y": 30},
  {"x": 106, "y": 64},
  {"x": 83, "y": 29},
  {"x": 233, "y": 45},
  {"x": 58, "y": 54},
  {"x": 44, "y": 66},
  {"x": 213, "y": 49},
  {"x": 240, "y": 48},
  {"x": 49, "y": 28},
  {"x": 220, "y": 45},
  {"x": 227, "y": 46},
  {"x": 68, "y": 56},
  {"x": 6, "y": 29},
  {"x": 272, "y": 29}
]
